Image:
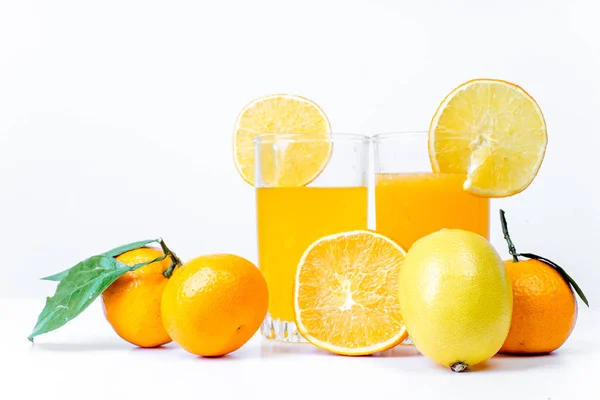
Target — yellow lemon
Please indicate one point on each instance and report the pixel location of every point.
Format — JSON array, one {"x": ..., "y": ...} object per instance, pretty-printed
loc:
[{"x": 455, "y": 298}]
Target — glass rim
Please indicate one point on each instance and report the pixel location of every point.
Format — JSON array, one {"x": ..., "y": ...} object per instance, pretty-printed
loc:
[
  {"x": 399, "y": 135},
  {"x": 300, "y": 137}
]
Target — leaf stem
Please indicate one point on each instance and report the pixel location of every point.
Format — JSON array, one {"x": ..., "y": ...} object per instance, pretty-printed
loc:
[
  {"x": 511, "y": 246},
  {"x": 552, "y": 264},
  {"x": 140, "y": 265},
  {"x": 175, "y": 261}
]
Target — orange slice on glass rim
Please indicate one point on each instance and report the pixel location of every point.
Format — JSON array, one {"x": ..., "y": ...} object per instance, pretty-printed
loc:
[
  {"x": 346, "y": 293},
  {"x": 299, "y": 162},
  {"x": 493, "y": 132}
]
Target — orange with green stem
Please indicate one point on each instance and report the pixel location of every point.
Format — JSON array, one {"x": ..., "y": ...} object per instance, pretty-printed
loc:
[
  {"x": 544, "y": 305},
  {"x": 130, "y": 279}
]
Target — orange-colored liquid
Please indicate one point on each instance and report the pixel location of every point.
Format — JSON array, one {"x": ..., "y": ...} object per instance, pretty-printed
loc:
[
  {"x": 289, "y": 219},
  {"x": 410, "y": 206}
]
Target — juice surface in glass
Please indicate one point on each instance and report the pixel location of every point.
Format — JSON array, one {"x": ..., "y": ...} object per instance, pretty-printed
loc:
[
  {"x": 409, "y": 206},
  {"x": 289, "y": 220}
]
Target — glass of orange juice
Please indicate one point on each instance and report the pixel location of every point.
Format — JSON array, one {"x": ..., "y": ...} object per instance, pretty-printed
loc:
[
  {"x": 307, "y": 187},
  {"x": 412, "y": 201}
]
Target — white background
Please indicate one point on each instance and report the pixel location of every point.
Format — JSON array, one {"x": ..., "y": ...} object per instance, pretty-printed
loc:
[{"x": 116, "y": 116}]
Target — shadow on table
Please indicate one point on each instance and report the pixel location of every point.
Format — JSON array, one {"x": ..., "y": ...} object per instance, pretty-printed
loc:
[
  {"x": 403, "y": 350},
  {"x": 104, "y": 345},
  {"x": 508, "y": 363},
  {"x": 498, "y": 364},
  {"x": 274, "y": 349}
]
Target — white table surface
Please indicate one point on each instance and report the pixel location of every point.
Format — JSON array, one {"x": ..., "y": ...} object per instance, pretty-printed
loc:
[{"x": 87, "y": 360}]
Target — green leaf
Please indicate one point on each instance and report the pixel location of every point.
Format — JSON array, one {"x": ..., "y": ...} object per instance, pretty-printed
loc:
[
  {"x": 57, "y": 277},
  {"x": 77, "y": 290},
  {"x": 128, "y": 247},
  {"x": 111, "y": 253}
]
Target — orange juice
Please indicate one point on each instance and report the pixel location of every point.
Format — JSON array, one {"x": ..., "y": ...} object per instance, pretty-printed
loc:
[
  {"x": 290, "y": 219},
  {"x": 409, "y": 206}
]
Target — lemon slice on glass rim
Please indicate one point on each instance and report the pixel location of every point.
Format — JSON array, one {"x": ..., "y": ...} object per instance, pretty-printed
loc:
[
  {"x": 492, "y": 131},
  {"x": 285, "y": 114}
]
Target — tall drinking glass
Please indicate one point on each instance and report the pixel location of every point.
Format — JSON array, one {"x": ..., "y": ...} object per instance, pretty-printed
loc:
[
  {"x": 306, "y": 188},
  {"x": 412, "y": 201}
]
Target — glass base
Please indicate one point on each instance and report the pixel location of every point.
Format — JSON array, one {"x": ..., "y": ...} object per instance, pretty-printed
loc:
[
  {"x": 282, "y": 331},
  {"x": 286, "y": 331}
]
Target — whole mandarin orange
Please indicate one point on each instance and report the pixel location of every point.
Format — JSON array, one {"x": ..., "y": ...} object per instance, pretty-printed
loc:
[
  {"x": 544, "y": 308},
  {"x": 132, "y": 302},
  {"x": 544, "y": 305},
  {"x": 214, "y": 304}
]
